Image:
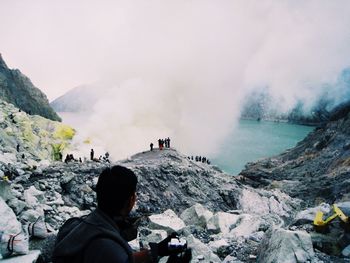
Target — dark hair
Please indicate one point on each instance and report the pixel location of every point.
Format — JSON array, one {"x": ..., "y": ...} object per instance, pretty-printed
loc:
[{"x": 114, "y": 187}]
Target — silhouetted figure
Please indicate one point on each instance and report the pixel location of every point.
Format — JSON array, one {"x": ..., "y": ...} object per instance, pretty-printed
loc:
[
  {"x": 203, "y": 160},
  {"x": 17, "y": 147},
  {"x": 23, "y": 156},
  {"x": 159, "y": 144},
  {"x": 151, "y": 146},
  {"x": 208, "y": 162},
  {"x": 60, "y": 156},
  {"x": 100, "y": 158},
  {"x": 168, "y": 140},
  {"x": 200, "y": 158},
  {"x": 66, "y": 160},
  {"x": 80, "y": 161},
  {"x": 196, "y": 158},
  {"x": 107, "y": 157},
  {"x": 192, "y": 157},
  {"x": 92, "y": 153}
]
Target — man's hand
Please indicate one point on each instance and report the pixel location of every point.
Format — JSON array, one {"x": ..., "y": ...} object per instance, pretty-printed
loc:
[{"x": 161, "y": 249}]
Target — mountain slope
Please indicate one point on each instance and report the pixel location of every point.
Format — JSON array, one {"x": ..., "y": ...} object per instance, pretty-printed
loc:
[
  {"x": 17, "y": 89},
  {"x": 78, "y": 99},
  {"x": 317, "y": 169}
]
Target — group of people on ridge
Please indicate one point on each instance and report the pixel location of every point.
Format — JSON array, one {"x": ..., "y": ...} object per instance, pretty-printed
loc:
[
  {"x": 161, "y": 143},
  {"x": 202, "y": 159}
]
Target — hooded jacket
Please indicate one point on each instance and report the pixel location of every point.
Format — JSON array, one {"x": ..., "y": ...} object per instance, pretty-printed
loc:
[{"x": 92, "y": 239}]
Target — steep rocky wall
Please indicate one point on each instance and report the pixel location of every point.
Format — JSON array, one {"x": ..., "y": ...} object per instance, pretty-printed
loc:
[
  {"x": 316, "y": 170},
  {"x": 17, "y": 89},
  {"x": 25, "y": 138}
]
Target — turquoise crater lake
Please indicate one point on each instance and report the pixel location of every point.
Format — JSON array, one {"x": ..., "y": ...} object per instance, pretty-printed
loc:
[{"x": 252, "y": 140}]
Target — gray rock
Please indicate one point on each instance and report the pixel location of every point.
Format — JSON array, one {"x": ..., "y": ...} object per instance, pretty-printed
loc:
[
  {"x": 168, "y": 221},
  {"x": 281, "y": 245},
  {"x": 17, "y": 205},
  {"x": 200, "y": 251},
  {"x": 31, "y": 257},
  {"x": 8, "y": 221},
  {"x": 5, "y": 190},
  {"x": 196, "y": 215},
  {"x": 346, "y": 251}
]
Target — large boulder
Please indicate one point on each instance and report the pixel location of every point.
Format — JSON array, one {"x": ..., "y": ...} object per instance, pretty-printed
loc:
[
  {"x": 196, "y": 215},
  {"x": 280, "y": 245},
  {"x": 222, "y": 222},
  {"x": 8, "y": 220},
  {"x": 200, "y": 251},
  {"x": 168, "y": 221},
  {"x": 34, "y": 197},
  {"x": 265, "y": 202}
]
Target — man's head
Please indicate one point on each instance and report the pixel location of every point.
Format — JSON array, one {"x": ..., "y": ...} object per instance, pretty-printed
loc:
[{"x": 116, "y": 188}]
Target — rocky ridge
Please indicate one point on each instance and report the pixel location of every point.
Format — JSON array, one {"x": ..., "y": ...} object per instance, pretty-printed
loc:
[
  {"x": 316, "y": 170},
  {"x": 17, "y": 89}
]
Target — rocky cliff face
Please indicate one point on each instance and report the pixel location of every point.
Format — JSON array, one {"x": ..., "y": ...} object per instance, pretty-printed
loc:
[
  {"x": 30, "y": 139},
  {"x": 17, "y": 89},
  {"x": 317, "y": 169}
]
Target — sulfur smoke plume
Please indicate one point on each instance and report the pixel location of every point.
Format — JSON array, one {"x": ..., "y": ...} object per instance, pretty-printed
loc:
[{"x": 182, "y": 68}]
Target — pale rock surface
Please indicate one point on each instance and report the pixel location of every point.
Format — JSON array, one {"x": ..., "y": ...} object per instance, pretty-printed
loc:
[
  {"x": 346, "y": 251},
  {"x": 196, "y": 215},
  {"x": 168, "y": 221},
  {"x": 31, "y": 257},
  {"x": 200, "y": 251},
  {"x": 246, "y": 225},
  {"x": 222, "y": 222},
  {"x": 218, "y": 244},
  {"x": 8, "y": 158},
  {"x": 281, "y": 245},
  {"x": 5, "y": 190},
  {"x": 34, "y": 197},
  {"x": 8, "y": 220}
]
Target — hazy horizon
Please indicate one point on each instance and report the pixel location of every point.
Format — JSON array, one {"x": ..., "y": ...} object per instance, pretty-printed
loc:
[{"x": 178, "y": 68}]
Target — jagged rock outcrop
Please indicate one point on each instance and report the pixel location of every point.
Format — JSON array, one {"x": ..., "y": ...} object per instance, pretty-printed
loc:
[
  {"x": 30, "y": 139},
  {"x": 316, "y": 170},
  {"x": 17, "y": 89}
]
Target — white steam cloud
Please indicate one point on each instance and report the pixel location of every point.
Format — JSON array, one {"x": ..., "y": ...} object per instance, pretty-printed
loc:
[{"x": 182, "y": 68}]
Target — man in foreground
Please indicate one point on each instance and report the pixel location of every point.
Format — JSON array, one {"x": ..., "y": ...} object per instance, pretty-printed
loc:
[{"x": 103, "y": 235}]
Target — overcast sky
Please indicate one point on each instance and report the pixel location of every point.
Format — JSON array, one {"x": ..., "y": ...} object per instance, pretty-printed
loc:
[
  {"x": 62, "y": 44},
  {"x": 180, "y": 67}
]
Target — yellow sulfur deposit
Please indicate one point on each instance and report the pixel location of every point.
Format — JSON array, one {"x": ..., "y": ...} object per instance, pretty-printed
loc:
[{"x": 64, "y": 132}]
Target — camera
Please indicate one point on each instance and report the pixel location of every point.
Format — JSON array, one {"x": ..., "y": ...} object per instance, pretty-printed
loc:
[{"x": 177, "y": 244}]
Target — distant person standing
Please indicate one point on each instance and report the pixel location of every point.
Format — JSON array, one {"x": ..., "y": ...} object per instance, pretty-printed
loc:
[
  {"x": 17, "y": 148},
  {"x": 151, "y": 146},
  {"x": 92, "y": 153},
  {"x": 168, "y": 142}
]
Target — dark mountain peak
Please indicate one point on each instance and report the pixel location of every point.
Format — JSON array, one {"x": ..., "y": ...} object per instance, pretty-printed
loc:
[
  {"x": 17, "y": 89},
  {"x": 2, "y": 62}
]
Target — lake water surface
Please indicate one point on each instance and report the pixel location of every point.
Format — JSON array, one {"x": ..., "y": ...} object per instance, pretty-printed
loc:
[{"x": 252, "y": 140}]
